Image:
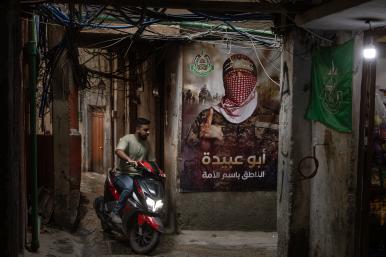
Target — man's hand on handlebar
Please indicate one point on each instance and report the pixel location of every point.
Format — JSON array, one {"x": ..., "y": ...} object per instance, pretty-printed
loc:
[{"x": 132, "y": 162}]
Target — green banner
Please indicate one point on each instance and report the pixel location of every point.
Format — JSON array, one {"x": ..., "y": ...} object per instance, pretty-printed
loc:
[{"x": 332, "y": 87}]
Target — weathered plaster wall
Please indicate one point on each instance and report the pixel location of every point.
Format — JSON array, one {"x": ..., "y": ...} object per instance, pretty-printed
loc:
[
  {"x": 209, "y": 210},
  {"x": 13, "y": 214},
  {"x": 173, "y": 80},
  {"x": 147, "y": 107},
  {"x": 121, "y": 99},
  {"x": 333, "y": 190},
  {"x": 294, "y": 144},
  {"x": 90, "y": 98},
  {"x": 66, "y": 194},
  {"x": 316, "y": 217},
  {"x": 381, "y": 64},
  {"x": 227, "y": 211}
]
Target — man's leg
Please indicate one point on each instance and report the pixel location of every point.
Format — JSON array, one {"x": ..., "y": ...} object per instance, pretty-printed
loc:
[{"x": 125, "y": 184}]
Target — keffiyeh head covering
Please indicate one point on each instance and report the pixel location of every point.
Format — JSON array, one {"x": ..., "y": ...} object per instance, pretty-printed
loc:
[{"x": 240, "y": 100}]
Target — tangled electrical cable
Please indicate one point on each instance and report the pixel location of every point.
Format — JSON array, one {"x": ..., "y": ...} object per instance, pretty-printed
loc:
[
  {"x": 49, "y": 65},
  {"x": 97, "y": 16},
  {"x": 120, "y": 19}
]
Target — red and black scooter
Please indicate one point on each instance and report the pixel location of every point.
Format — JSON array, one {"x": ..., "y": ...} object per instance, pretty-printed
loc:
[{"x": 141, "y": 216}]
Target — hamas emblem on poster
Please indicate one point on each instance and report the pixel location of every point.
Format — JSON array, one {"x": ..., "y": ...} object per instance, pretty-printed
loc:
[
  {"x": 202, "y": 65},
  {"x": 332, "y": 98}
]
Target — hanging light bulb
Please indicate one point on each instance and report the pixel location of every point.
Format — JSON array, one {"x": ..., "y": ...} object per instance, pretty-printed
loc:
[{"x": 369, "y": 51}]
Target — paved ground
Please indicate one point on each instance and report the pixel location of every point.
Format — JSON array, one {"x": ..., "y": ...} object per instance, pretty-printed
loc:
[{"x": 89, "y": 240}]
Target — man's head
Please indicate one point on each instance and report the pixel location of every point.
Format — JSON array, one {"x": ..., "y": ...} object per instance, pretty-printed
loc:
[
  {"x": 142, "y": 128},
  {"x": 240, "y": 77}
]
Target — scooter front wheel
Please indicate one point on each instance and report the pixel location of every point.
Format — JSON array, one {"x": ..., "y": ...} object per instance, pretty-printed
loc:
[{"x": 143, "y": 239}]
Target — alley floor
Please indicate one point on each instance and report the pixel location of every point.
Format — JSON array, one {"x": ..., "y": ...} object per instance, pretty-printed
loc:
[{"x": 89, "y": 240}]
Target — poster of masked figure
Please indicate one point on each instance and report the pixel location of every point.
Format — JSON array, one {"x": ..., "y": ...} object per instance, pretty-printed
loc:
[{"x": 230, "y": 119}]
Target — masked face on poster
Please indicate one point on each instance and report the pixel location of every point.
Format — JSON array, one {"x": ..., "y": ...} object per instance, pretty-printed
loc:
[
  {"x": 239, "y": 101},
  {"x": 232, "y": 144}
]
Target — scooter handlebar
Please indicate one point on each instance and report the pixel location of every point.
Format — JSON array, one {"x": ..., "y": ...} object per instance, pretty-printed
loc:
[{"x": 140, "y": 166}]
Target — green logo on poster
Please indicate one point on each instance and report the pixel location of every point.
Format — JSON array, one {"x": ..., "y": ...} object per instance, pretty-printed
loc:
[
  {"x": 332, "y": 98},
  {"x": 202, "y": 65}
]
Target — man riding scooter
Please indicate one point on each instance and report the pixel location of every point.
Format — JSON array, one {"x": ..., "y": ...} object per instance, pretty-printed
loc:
[{"x": 130, "y": 149}]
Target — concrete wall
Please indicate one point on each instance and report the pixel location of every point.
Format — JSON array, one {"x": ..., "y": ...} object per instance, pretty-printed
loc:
[
  {"x": 294, "y": 143},
  {"x": 147, "y": 107},
  {"x": 333, "y": 190},
  {"x": 173, "y": 78},
  {"x": 12, "y": 169},
  {"x": 381, "y": 67},
  {"x": 67, "y": 196},
  {"x": 316, "y": 217},
  {"x": 94, "y": 98},
  {"x": 209, "y": 210},
  {"x": 121, "y": 100}
]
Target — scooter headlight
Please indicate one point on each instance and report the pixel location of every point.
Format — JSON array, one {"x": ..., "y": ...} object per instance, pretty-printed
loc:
[
  {"x": 154, "y": 205},
  {"x": 158, "y": 205}
]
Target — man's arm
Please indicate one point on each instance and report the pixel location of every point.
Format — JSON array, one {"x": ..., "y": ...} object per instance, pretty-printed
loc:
[
  {"x": 120, "y": 150},
  {"x": 121, "y": 154},
  {"x": 202, "y": 128},
  {"x": 207, "y": 130}
]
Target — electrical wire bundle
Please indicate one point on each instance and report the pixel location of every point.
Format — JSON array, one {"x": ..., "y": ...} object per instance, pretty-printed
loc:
[
  {"x": 190, "y": 26},
  {"x": 118, "y": 18}
]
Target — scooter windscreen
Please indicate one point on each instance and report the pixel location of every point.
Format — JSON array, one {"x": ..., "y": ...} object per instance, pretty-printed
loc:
[{"x": 153, "y": 193}]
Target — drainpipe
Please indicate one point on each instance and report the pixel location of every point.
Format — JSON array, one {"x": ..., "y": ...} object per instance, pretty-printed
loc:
[
  {"x": 112, "y": 113},
  {"x": 32, "y": 54}
]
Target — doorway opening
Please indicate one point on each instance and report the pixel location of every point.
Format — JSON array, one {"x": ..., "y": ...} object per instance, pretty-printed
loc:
[{"x": 97, "y": 140}]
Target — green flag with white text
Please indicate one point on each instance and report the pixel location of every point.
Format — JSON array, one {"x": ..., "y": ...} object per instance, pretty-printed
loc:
[{"x": 332, "y": 87}]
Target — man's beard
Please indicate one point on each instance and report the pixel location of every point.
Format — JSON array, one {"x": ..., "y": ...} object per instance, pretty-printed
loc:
[{"x": 143, "y": 137}]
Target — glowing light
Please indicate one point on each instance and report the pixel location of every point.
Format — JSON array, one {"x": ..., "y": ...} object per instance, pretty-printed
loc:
[{"x": 369, "y": 52}]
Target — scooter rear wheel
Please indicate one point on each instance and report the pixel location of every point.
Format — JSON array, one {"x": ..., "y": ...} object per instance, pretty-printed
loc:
[{"x": 143, "y": 243}]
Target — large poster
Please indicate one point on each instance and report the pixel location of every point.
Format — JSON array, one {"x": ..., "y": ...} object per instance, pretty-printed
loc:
[{"x": 230, "y": 118}]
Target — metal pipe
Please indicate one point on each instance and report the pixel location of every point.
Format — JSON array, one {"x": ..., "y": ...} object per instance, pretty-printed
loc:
[
  {"x": 32, "y": 54},
  {"x": 112, "y": 111}
]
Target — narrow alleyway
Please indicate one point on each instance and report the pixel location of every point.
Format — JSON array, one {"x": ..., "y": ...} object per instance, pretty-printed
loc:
[{"x": 89, "y": 240}]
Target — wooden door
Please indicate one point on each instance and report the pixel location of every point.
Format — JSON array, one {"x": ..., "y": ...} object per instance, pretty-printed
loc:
[{"x": 97, "y": 141}]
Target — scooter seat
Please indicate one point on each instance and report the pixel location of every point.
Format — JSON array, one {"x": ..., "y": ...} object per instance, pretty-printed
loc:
[
  {"x": 111, "y": 176},
  {"x": 112, "y": 173}
]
